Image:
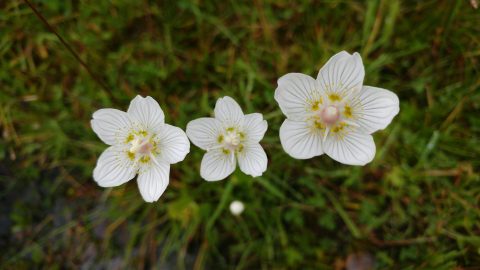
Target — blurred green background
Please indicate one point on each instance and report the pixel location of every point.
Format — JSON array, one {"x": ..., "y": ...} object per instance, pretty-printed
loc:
[{"x": 416, "y": 206}]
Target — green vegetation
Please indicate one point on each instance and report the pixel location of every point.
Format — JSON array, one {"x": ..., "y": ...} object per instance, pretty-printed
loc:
[{"x": 416, "y": 206}]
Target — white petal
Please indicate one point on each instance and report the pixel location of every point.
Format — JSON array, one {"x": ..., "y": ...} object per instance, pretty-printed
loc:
[
  {"x": 153, "y": 181},
  {"x": 351, "y": 148},
  {"x": 228, "y": 112},
  {"x": 147, "y": 111},
  {"x": 295, "y": 95},
  {"x": 253, "y": 160},
  {"x": 374, "y": 108},
  {"x": 111, "y": 125},
  {"x": 254, "y": 127},
  {"x": 204, "y": 132},
  {"x": 300, "y": 140},
  {"x": 341, "y": 74},
  {"x": 173, "y": 144},
  {"x": 216, "y": 165},
  {"x": 114, "y": 167}
]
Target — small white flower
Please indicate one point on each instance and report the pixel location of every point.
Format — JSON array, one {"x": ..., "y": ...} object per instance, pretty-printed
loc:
[
  {"x": 140, "y": 142},
  {"x": 334, "y": 114},
  {"x": 229, "y": 136},
  {"x": 236, "y": 208}
]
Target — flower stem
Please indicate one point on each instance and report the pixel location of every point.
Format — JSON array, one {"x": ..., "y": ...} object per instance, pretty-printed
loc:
[{"x": 69, "y": 48}]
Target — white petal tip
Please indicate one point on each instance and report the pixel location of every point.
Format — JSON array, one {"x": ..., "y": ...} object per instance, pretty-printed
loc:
[
  {"x": 212, "y": 180},
  {"x": 150, "y": 198}
]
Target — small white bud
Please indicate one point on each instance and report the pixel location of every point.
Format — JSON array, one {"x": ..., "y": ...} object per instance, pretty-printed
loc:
[{"x": 236, "y": 207}]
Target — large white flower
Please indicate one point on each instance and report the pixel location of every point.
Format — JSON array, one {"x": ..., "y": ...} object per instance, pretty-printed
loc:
[
  {"x": 228, "y": 137},
  {"x": 140, "y": 142},
  {"x": 334, "y": 114}
]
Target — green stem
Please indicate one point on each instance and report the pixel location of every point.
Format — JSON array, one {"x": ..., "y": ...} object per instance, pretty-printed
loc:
[{"x": 343, "y": 214}]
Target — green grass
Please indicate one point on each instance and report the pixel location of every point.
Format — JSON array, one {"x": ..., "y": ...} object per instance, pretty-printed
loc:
[{"x": 416, "y": 206}]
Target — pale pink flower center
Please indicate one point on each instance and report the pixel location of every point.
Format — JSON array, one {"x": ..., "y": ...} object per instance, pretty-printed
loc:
[
  {"x": 330, "y": 114},
  {"x": 143, "y": 146}
]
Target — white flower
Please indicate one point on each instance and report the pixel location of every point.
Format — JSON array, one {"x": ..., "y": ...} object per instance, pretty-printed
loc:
[
  {"x": 229, "y": 136},
  {"x": 236, "y": 208},
  {"x": 334, "y": 114},
  {"x": 140, "y": 142}
]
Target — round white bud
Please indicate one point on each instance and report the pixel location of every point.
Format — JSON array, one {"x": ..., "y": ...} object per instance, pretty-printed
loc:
[{"x": 236, "y": 208}]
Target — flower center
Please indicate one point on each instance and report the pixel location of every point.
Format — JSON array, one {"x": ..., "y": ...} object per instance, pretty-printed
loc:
[
  {"x": 141, "y": 146},
  {"x": 232, "y": 139},
  {"x": 330, "y": 114}
]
